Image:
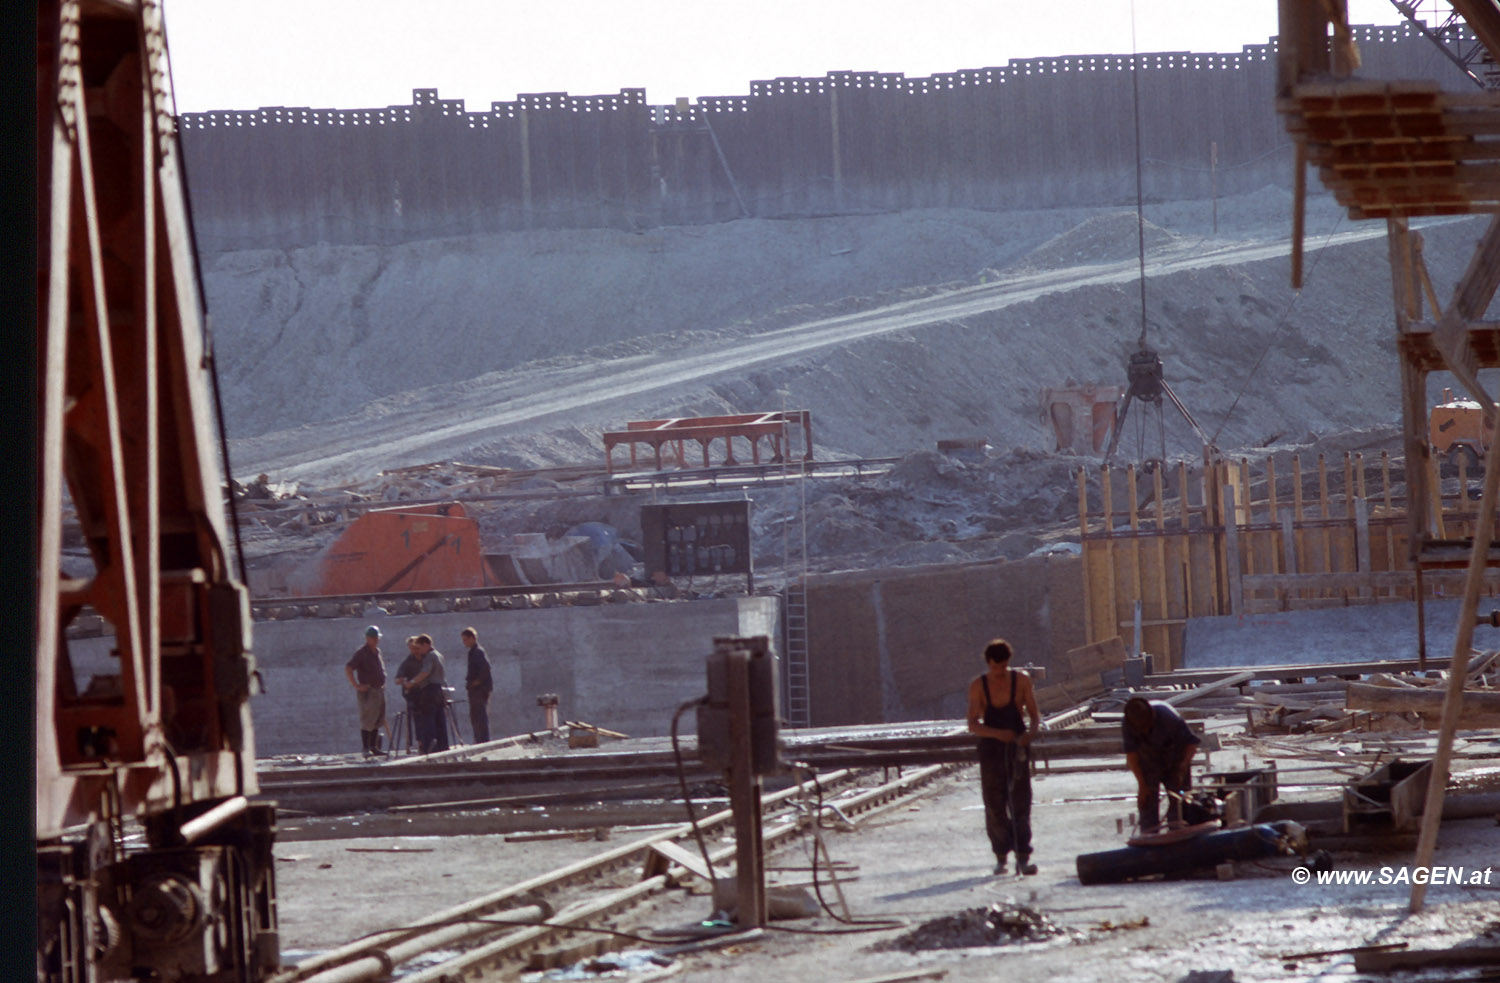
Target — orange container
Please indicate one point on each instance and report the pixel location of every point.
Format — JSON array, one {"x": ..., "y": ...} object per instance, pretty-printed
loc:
[{"x": 413, "y": 548}]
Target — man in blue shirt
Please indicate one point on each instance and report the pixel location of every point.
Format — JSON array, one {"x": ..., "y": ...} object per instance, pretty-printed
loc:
[{"x": 1159, "y": 749}]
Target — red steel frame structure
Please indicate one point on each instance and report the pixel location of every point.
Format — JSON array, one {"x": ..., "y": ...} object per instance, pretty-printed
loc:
[
  {"x": 675, "y": 433},
  {"x": 161, "y": 732}
]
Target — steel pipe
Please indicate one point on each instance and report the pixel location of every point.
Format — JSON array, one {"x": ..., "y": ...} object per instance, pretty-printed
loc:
[
  {"x": 195, "y": 829},
  {"x": 381, "y": 960},
  {"x": 1209, "y": 850}
]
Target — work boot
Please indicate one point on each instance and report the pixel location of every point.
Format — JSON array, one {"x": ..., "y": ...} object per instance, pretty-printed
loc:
[
  {"x": 1025, "y": 866},
  {"x": 1000, "y": 866}
]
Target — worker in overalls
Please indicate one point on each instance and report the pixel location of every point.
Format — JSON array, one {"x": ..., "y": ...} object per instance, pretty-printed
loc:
[{"x": 998, "y": 698}]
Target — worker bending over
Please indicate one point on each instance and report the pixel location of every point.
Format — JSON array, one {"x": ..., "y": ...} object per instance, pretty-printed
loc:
[{"x": 1159, "y": 749}]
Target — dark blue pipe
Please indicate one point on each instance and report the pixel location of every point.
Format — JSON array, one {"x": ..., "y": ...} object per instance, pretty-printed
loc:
[{"x": 1208, "y": 850}]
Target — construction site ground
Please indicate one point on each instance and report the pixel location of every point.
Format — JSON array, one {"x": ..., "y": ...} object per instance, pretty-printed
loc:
[
  {"x": 895, "y": 331},
  {"x": 920, "y": 863}
]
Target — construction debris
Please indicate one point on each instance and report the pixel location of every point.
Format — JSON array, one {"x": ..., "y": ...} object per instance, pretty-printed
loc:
[
  {"x": 1411, "y": 959},
  {"x": 1001, "y": 923},
  {"x": 1479, "y": 709},
  {"x": 1326, "y": 699}
]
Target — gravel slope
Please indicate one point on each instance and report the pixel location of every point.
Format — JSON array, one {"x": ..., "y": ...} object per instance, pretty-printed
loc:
[{"x": 894, "y": 330}]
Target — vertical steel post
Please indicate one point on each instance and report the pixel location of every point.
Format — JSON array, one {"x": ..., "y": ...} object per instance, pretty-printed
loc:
[{"x": 744, "y": 798}]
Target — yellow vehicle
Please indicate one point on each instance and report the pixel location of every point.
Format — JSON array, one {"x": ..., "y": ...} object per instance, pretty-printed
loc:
[{"x": 1459, "y": 432}]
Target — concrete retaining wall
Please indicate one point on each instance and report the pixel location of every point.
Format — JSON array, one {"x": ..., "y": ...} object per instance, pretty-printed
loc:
[
  {"x": 887, "y": 645},
  {"x": 1033, "y": 133},
  {"x": 626, "y": 667},
  {"x": 1361, "y": 633},
  {"x": 903, "y": 644}
]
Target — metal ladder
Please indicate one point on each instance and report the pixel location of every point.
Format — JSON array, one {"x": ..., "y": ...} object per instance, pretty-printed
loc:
[
  {"x": 794, "y": 632},
  {"x": 798, "y": 711}
]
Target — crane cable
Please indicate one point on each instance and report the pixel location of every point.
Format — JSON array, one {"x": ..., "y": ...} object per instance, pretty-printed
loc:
[
  {"x": 1140, "y": 236},
  {"x": 1140, "y": 218},
  {"x": 1140, "y": 224}
]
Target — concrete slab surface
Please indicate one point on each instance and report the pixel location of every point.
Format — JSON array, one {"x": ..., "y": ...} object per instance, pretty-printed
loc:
[
  {"x": 1345, "y": 634},
  {"x": 928, "y": 858}
]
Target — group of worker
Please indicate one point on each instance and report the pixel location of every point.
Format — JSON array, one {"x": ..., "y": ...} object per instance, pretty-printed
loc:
[
  {"x": 1158, "y": 745},
  {"x": 423, "y": 683}
]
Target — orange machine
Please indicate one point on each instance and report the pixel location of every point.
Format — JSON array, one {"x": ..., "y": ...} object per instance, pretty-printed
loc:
[
  {"x": 1082, "y": 417},
  {"x": 406, "y": 548},
  {"x": 1459, "y": 431}
]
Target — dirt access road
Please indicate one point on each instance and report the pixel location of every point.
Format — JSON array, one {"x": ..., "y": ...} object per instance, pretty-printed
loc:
[{"x": 447, "y": 422}]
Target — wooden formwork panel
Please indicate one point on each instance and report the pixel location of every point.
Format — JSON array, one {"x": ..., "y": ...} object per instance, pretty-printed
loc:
[{"x": 1293, "y": 538}]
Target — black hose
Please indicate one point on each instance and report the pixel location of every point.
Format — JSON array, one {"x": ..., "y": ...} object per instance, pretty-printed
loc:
[{"x": 687, "y": 800}]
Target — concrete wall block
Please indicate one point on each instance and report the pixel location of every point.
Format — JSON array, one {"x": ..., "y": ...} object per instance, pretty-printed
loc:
[
  {"x": 1040, "y": 131},
  {"x": 625, "y": 667},
  {"x": 902, "y": 644}
]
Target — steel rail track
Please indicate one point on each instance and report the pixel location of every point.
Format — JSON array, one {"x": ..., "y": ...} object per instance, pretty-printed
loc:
[
  {"x": 479, "y": 783},
  {"x": 369, "y": 958},
  {"x": 594, "y": 867},
  {"x": 506, "y": 951}
]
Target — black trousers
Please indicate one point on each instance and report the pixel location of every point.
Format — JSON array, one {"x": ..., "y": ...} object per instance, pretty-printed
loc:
[
  {"x": 479, "y": 715},
  {"x": 1005, "y": 784},
  {"x": 1161, "y": 768},
  {"x": 430, "y": 716}
]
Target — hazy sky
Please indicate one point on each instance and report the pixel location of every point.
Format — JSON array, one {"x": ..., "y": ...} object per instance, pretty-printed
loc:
[{"x": 356, "y": 54}]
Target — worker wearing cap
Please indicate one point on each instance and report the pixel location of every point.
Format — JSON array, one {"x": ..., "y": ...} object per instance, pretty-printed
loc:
[
  {"x": 366, "y": 673},
  {"x": 1159, "y": 749}
]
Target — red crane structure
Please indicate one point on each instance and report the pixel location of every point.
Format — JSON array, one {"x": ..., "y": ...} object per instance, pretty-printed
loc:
[{"x": 152, "y": 861}]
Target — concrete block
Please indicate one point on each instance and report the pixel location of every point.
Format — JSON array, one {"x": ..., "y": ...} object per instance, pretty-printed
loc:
[{"x": 621, "y": 667}]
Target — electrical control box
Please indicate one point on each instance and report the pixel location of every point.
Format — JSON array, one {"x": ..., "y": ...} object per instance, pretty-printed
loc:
[
  {"x": 753, "y": 658},
  {"x": 698, "y": 539}
]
